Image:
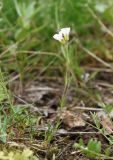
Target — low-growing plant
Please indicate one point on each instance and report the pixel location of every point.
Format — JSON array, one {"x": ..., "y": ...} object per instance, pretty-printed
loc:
[
  {"x": 101, "y": 129},
  {"x": 26, "y": 154},
  {"x": 93, "y": 149}
]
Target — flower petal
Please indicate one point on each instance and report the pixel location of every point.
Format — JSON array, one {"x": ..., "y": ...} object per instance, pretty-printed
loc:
[
  {"x": 58, "y": 37},
  {"x": 65, "y": 31}
]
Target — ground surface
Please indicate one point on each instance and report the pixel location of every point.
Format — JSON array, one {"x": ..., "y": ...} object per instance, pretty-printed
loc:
[{"x": 43, "y": 96}]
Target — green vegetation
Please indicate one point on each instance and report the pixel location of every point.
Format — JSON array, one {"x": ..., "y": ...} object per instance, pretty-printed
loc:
[{"x": 45, "y": 83}]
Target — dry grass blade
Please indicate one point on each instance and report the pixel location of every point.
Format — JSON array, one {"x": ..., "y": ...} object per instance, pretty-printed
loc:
[
  {"x": 93, "y": 55},
  {"x": 100, "y": 22}
]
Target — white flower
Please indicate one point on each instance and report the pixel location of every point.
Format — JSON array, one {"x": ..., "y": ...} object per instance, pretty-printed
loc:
[{"x": 63, "y": 35}]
